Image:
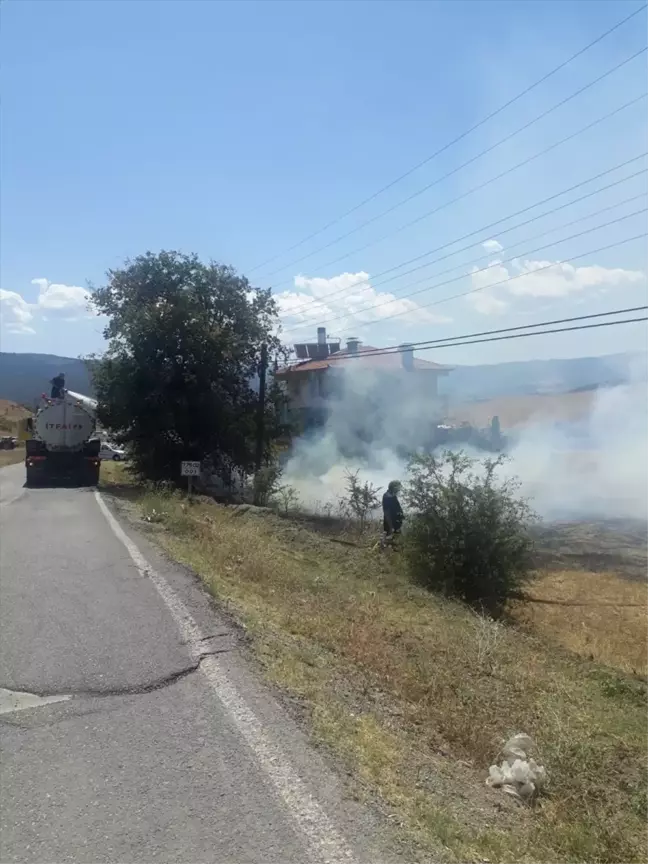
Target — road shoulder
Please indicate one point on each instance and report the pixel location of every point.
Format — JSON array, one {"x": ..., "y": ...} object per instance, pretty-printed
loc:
[{"x": 359, "y": 823}]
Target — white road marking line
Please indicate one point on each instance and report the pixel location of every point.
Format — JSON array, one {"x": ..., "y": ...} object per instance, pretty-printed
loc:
[
  {"x": 15, "y": 700},
  {"x": 326, "y": 842},
  {"x": 9, "y": 501}
]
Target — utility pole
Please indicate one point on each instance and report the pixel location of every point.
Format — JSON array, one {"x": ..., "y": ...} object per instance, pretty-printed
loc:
[{"x": 263, "y": 366}]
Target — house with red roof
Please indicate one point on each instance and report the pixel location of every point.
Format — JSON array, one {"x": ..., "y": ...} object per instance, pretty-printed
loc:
[{"x": 319, "y": 373}]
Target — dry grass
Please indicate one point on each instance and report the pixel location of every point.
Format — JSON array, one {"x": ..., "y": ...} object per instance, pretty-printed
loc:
[
  {"x": 520, "y": 410},
  {"x": 599, "y": 616},
  {"x": 10, "y": 414},
  {"x": 415, "y": 695},
  {"x": 11, "y": 457}
]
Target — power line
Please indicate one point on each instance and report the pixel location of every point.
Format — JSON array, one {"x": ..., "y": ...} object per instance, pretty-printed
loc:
[
  {"x": 372, "y": 279},
  {"x": 536, "y": 333},
  {"x": 486, "y": 269},
  {"x": 374, "y": 284},
  {"x": 454, "y": 140},
  {"x": 530, "y": 221},
  {"x": 484, "y": 184},
  {"x": 463, "y": 165},
  {"x": 526, "y": 210},
  {"x": 449, "y": 341},
  {"x": 520, "y": 275},
  {"x": 500, "y": 263},
  {"x": 469, "y": 340},
  {"x": 475, "y": 261}
]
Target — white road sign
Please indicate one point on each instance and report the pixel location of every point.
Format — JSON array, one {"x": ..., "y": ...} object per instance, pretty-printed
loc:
[{"x": 190, "y": 469}]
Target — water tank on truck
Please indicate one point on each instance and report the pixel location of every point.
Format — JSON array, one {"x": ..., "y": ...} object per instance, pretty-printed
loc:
[{"x": 63, "y": 448}]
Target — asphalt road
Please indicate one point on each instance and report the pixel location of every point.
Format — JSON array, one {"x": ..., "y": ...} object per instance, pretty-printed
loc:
[{"x": 164, "y": 746}]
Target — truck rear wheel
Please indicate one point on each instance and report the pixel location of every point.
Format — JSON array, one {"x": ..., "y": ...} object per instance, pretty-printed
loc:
[{"x": 91, "y": 477}]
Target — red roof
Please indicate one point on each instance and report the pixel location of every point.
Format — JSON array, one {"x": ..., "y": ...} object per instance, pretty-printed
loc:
[{"x": 380, "y": 361}]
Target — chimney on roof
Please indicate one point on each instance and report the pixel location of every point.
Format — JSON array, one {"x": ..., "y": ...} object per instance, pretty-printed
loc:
[
  {"x": 407, "y": 355},
  {"x": 322, "y": 348},
  {"x": 353, "y": 343}
]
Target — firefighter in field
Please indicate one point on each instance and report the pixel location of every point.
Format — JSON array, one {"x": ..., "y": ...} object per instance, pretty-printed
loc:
[{"x": 392, "y": 514}]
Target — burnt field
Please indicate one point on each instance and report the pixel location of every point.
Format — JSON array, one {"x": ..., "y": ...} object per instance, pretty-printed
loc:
[{"x": 605, "y": 545}]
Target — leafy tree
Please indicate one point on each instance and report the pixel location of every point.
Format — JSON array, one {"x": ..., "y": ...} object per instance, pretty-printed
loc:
[
  {"x": 468, "y": 533},
  {"x": 184, "y": 343}
]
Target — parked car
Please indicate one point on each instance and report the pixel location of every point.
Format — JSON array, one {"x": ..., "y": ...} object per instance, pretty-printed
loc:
[{"x": 109, "y": 451}]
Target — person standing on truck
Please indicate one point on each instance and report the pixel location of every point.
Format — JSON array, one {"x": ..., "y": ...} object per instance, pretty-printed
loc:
[
  {"x": 392, "y": 514},
  {"x": 58, "y": 386}
]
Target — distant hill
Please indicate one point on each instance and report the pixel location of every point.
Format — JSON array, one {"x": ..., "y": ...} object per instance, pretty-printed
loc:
[
  {"x": 534, "y": 377},
  {"x": 23, "y": 377}
]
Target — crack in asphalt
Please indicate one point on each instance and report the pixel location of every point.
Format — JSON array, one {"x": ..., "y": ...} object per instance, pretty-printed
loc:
[{"x": 132, "y": 690}]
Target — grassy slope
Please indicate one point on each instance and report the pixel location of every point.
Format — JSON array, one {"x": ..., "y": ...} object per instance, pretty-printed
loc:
[{"x": 414, "y": 696}]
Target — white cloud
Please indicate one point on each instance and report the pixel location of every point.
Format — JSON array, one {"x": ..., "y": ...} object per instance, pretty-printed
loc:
[
  {"x": 69, "y": 302},
  {"x": 562, "y": 279},
  {"x": 497, "y": 285},
  {"x": 487, "y": 303},
  {"x": 16, "y": 314},
  {"x": 492, "y": 246},
  {"x": 349, "y": 299}
]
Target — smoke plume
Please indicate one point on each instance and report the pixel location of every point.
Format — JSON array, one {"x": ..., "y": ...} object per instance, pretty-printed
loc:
[{"x": 593, "y": 467}]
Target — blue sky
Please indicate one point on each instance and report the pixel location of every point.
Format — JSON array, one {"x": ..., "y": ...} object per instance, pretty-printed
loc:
[{"x": 236, "y": 129}]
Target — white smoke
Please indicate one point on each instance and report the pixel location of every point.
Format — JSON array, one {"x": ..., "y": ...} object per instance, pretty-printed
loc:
[
  {"x": 596, "y": 467},
  {"x": 376, "y": 417}
]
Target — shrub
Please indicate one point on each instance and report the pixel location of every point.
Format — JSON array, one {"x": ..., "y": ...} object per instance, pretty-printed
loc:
[
  {"x": 468, "y": 535},
  {"x": 362, "y": 498},
  {"x": 288, "y": 498},
  {"x": 266, "y": 483}
]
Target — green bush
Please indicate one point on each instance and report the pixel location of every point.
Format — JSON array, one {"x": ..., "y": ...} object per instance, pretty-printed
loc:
[
  {"x": 362, "y": 498},
  {"x": 266, "y": 483},
  {"x": 468, "y": 533}
]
